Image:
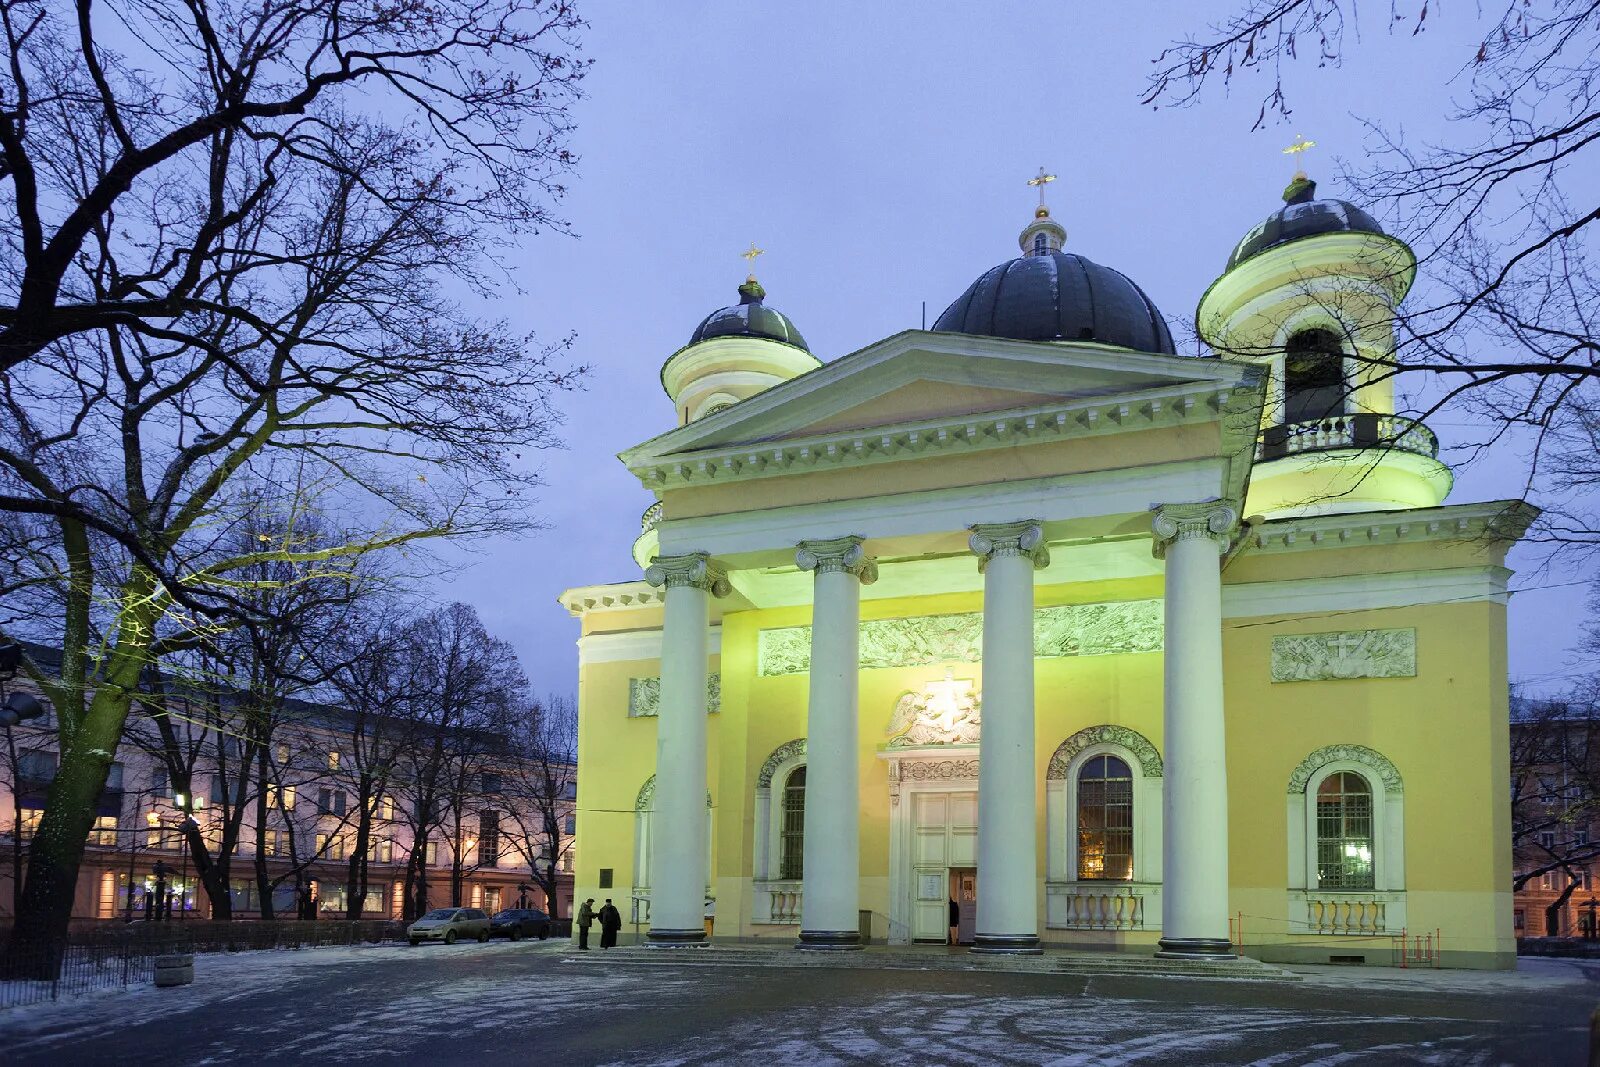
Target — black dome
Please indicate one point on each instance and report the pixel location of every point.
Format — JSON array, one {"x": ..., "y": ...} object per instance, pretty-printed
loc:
[
  {"x": 1301, "y": 217},
  {"x": 749, "y": 318},
  {"x": 1058, "y": 296}
]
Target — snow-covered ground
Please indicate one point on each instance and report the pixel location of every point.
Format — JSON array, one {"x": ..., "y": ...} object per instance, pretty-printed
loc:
[{"x": 505, "y": 1003}]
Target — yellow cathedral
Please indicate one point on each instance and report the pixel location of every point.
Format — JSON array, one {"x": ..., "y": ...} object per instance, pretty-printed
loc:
[{"x": 1027, "y": 632}]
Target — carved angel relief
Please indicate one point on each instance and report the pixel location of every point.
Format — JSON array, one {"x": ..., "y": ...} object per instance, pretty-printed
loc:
[{"x": 947, "y": 712}]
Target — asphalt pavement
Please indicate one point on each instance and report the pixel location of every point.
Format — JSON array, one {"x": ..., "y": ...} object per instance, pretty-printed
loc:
[{"x": 531, "y": 1002}]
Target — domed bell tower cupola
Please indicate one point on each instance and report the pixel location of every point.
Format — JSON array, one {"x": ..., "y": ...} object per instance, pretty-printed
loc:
[
  {"x": 1311, "y": 293},
  {"x": 1044, "y": 234},
  {"x": 735, "y": 353}
]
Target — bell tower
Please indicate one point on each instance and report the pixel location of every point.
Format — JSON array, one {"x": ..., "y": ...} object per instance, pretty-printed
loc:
[{"x": 1310, "y": 294}]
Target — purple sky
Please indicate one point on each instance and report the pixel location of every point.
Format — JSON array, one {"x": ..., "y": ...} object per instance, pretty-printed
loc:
[{"x": 878, "y": 152}]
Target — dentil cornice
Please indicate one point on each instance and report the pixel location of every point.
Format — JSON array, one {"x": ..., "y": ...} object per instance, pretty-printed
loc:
[
  {"x": 1210, "y": 519},
  {"x": 991, "y": 540},
  {"x": 838, "y": 555},
  {"x": 693, "y": 570}
]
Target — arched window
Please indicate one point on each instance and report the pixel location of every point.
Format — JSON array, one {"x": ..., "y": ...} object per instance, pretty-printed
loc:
[
  {"x": 1344, "y": 832},
  {"x": 791, "y": 864},
  {"x": 1105, "y": 819},
  {"x": 1040, "y": 245},
  {"x": 1313, "y": 376}
]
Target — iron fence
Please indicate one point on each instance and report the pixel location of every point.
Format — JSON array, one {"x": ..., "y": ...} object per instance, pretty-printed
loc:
[{"x": 117, "y": 955}]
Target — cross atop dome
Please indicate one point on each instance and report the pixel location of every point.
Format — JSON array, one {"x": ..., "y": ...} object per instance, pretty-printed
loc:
[
  {"x": 1043, "y": 235},
  {"x": 1041, "y": 180}
]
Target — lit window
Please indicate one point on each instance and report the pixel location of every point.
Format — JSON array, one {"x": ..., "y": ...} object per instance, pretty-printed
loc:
[
  {"x": 432, "y": 855},
  {"x": 1344, "y": 832},
  {"x": 386, "y": 807},
  {"x": 333, "y": 761},
  {"x": 280, "y": 797},
  {"x": 283, "y": 754},
  {"x": 1105, "y": 819},
  {"x": 30, "y": 821},
  {"x": 104, "y": 832},
  {"x": 791, "y": 845}
]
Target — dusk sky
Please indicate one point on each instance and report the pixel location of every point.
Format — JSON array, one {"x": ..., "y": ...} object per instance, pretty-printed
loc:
[{"x": 879, "y": 154}]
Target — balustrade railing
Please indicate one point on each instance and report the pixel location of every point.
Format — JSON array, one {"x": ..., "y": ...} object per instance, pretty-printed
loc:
[
  {"x": 1365, "y": 430},
  {"x": 1349, "y": 914},
  {"x": 778, "y": 902},
  {"x": 1100, "y": 905}
]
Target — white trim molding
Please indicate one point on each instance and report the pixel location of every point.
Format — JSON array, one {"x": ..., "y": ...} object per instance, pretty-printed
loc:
[
  {"x": 776, "y": 901},
  {"x": 634, "y": 645},
  {"x": 1361, "y": 592},
  {"x": 620, "y": 596},
  {"x": 1313, "y": 909}
]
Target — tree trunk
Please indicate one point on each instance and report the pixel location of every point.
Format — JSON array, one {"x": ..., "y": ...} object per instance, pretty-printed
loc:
[
  {"x": 1552, "y": 913},
  {"x": 56, "y": 851}
]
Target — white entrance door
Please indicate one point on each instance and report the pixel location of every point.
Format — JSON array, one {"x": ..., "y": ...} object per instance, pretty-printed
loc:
[{"x": 944, "y": 834}]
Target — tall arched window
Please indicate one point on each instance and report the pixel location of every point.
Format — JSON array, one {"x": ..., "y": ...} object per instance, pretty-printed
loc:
[
  {"x": 1313, "y": 376},
  {"x": 1344, "y": 832},
  {"x": 791, "y": 862},
  {"x": 1105, "y": 819},
  {"x": 1040, "y": 246}
]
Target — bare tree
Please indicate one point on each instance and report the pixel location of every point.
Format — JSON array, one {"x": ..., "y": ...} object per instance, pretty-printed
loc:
[
  {"x": 1503, "y": 215},
  {"x": 236, "y": 234},
  {"x": 466, "y": 682},
  {"x": 541, "y": 788}
]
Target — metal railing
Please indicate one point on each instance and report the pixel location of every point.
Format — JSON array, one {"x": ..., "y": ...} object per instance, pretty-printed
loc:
[
  {"x": 1364, "y": 430},
  {"x": 113, "y": 955}
]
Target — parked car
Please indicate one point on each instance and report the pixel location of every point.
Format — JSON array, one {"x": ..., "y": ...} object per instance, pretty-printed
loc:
[
  {"x": 449, "y": 925},
  {"x": 518, "y": 923}
]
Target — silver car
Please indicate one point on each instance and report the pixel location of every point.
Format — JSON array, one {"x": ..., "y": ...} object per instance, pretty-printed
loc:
[{"x": 449, "y": 925}]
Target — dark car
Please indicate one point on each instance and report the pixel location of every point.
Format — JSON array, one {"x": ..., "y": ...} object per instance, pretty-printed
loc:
[{"x": 518, "y": 923}]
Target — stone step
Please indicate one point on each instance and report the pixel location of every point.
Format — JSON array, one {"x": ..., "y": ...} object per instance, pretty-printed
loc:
[{"x": 1082, "y": 963}]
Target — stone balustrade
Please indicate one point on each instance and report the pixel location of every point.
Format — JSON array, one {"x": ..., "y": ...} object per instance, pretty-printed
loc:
[
  {"x": 1364, "y": 430},
  {"x": 778, "y": 903},
  {"x": 1352, "y": 913},
  {"x": 1092, "y": 905}
]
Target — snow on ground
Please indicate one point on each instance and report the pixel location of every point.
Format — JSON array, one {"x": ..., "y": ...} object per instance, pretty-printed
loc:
[{"x": 217, "y": 976}]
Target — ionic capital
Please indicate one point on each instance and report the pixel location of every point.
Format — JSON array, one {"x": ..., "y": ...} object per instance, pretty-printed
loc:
[
  {"x": 1210, "y": 519},
  {"x": 840, "y": 555},
  {"x": 692, "y": 570},
  {"x": 991, "y": 540}
]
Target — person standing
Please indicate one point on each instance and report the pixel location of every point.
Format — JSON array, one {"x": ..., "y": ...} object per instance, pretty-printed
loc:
[
  {"x": 585, "y": 920},
  {"x": 610, "y": 923},
  {"x": 955, "y": 921}
]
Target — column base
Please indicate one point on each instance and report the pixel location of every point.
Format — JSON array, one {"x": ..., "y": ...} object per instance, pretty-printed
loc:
[
  {"x": 830, "y": 940},
  {"x": 1195, "y": 948},
  {"x": 1006, "y": 945},
  {"x": 659, "y": 938}
]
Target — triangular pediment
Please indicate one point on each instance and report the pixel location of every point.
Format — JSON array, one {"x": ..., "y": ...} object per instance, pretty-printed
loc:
[{"x": 918, "y": 377}]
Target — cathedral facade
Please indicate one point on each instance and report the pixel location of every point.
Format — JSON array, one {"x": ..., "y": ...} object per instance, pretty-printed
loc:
[{"x": 1028, "y": 632}]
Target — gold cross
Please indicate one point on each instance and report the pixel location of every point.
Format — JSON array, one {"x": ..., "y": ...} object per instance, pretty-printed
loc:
[
  {"x": 1041, "y": 180},
  {"x": 751, "y": 253},
  {"x": 1300, "y": 145}
]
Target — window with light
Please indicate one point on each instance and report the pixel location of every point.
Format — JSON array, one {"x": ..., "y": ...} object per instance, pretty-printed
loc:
[
  {"x": 1105, "y": 819},
  {"x": 1344, "y": 832}
]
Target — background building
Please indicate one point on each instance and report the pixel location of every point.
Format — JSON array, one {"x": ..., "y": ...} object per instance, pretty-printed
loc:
[{"x": 491, "y": 823}]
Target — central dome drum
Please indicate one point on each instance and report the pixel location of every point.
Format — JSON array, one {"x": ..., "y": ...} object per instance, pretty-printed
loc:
[{"x": 1050, "y": 295}]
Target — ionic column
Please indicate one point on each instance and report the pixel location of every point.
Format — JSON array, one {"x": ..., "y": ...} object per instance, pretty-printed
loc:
[
  {"x": 828, "y": 915},
  {"x": 679, "y": 847},
  {"x": 1008, "y": 873},
  {"x": 1194, "y": 893}
]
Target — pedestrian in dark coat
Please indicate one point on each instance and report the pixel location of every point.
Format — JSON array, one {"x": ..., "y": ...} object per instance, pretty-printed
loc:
[
  {"x": 586, "y": 920},
  {"x": 610, "y": 923}
]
